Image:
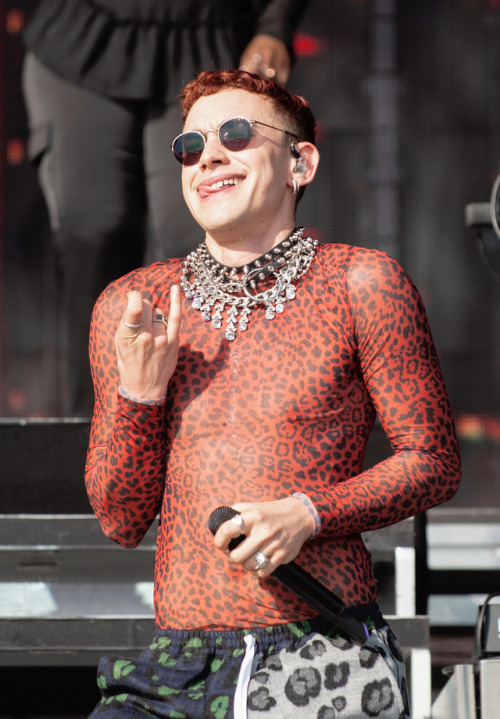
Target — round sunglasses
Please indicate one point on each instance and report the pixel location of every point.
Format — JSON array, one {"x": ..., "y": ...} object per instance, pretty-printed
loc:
[{"x": 234, "y": 134}]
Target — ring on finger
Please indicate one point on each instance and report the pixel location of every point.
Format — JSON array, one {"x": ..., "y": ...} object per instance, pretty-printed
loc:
[
  {"x": 160, "y": 318},
  {"x": 131, "y": 326},
  {"x": 261, "y": 560},
  {"x": 237, "y": 519}
]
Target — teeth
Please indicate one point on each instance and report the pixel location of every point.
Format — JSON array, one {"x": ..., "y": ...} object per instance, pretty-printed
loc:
[{"x": 224, "y": 183}]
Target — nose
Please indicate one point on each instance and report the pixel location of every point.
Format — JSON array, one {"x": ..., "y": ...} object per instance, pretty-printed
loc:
[{"x": 214, "y": 151}]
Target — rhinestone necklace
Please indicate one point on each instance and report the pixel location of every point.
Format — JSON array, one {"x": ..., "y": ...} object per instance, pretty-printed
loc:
[{"x": 215, "y": 289}]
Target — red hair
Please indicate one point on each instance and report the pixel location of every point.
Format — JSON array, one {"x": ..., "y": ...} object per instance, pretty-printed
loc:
[{"x": 293, "y": 108}]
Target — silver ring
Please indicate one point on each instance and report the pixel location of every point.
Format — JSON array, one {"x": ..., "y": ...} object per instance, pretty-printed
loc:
[
  {"x": 160, "y": 318},
  {"x": 261, "y": 559},
  {"x": 132, "y": 327},
  {"x": 239, "y": 521}
]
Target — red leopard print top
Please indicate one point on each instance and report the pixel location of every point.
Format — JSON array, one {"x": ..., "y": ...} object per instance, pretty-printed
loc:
[{"x": 286, "y": 407}]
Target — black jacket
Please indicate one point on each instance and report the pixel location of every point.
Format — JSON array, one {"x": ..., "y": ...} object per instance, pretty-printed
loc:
[{"x": 149, "y": 49}]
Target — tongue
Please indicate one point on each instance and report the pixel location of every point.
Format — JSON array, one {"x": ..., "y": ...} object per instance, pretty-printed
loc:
[{"x": 206, "y": 190}]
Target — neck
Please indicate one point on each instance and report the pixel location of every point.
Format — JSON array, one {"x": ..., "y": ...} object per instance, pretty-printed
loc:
[{"x": 239, "y": 251}]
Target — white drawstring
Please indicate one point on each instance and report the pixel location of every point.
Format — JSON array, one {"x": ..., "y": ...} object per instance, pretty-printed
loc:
[{"x": 240, "y": 695}]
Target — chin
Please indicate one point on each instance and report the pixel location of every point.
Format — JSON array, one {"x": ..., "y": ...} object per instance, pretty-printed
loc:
[{"x": 218, "y": 224}]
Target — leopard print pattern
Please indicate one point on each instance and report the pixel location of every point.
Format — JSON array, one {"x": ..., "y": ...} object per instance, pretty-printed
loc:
[
  {"x": 297, "y": 672},
  {"x": 329, "y": 677},
  {"x": 286, "y": 407}
]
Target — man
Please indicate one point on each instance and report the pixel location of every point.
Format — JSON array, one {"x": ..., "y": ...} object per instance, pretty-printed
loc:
[{"x": 260, "y": 393}]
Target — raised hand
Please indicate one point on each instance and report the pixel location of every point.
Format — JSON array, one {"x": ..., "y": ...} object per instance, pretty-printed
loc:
[
  {"x": 267, "y": 56},
  {"x": 147, "y": 345}
]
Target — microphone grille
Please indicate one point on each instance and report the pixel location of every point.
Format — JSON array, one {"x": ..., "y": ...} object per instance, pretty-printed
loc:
[{"x": 219, "y": 516}]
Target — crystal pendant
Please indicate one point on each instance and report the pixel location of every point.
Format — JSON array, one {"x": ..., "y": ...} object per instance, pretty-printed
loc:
[
  {"x": 244, "y": 316},
  {"x": 205, "y": 313},
  {"x": 217, "y": 317},
  {"x": 231, "y": 324}
]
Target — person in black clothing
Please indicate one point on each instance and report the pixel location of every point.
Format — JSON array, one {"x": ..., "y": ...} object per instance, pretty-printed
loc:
[{"x": 100, "y": 79}]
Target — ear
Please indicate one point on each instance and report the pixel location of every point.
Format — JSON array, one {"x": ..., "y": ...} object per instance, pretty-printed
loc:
[{"x": 304, "y": 163}]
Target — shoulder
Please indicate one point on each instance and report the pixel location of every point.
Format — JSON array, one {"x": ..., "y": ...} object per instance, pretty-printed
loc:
[
  {"x": 148, "y": 278},
  {"x": 355, "y": 256},
  {"x": 361, "y": 265}
]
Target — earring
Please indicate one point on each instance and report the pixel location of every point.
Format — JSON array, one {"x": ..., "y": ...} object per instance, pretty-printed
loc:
[{"x": 295, "y": 187}]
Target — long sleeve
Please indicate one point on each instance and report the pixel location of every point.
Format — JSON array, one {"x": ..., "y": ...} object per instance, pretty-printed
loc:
[
  {"x": 125, "y": 470},
  {"x": 400, "y": 368}
]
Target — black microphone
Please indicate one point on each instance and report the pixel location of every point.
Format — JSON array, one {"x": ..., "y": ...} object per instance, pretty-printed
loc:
[{"x": 325, "y": 602}]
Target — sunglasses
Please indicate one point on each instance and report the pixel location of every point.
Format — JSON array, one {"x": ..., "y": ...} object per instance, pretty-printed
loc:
[{"x": 234, "y": 134}]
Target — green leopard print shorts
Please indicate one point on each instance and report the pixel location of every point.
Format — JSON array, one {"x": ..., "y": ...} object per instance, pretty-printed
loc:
[{"x": 304, "y": 670}]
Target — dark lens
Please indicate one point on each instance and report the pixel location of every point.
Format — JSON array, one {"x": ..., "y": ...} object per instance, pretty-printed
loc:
[
  {"x": 236, "y": 133},
  {"x": 188, "y": 147}
]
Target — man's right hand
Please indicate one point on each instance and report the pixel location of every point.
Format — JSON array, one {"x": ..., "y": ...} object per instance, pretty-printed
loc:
[{"x": 147, "y": 347}]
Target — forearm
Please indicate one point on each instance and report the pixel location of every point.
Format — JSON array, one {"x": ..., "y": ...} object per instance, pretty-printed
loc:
[
  {"x": 125, "y": 477},
  {"x": 405, "y": 484}
]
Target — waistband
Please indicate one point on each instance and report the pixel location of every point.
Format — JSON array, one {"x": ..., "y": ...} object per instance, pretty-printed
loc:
[{"x": 369, "y": 614}]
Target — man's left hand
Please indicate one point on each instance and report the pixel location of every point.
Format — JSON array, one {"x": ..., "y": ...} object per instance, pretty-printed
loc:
[{"x": 275, "y": 529}]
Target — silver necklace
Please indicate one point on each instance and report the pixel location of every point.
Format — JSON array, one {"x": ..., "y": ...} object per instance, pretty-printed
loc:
[{"x": 215, "y": 290}]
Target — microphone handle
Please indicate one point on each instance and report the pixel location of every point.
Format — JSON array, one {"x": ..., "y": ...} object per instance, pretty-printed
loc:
[{"x": 327, "y": 604}]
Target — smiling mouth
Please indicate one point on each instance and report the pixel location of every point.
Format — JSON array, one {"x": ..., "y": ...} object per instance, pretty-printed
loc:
[
  {"x": 224, "y": 183},
  {"x": 206, "y": 189}
]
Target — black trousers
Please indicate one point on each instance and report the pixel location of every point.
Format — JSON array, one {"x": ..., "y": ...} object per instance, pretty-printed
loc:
[{"x": 113, "y": 193}]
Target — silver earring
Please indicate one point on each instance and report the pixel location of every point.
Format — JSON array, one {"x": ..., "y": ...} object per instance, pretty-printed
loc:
[{"x": 295, "y": 187}]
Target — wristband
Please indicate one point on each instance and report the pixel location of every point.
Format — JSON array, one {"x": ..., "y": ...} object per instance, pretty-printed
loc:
[
  {"x": 142, "y": 400},
  {"x": 312, "y": 511}
]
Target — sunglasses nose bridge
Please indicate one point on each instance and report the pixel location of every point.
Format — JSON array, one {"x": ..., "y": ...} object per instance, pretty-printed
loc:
[
  {"x": 213, "y": 146},
  {"x": 211, "y": 151},
  {"x": 217, "y": 134}
]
